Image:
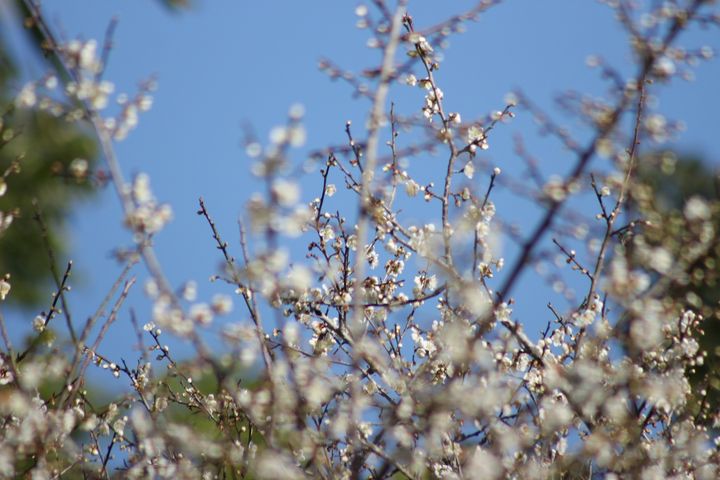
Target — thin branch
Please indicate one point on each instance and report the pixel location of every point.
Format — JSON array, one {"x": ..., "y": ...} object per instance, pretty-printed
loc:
[
  {"x": 249, "y": 301},
  {"x": 103, "y": 331},
  {"x": 371, "y": 154},
  {"x": 60, "y": 284}
]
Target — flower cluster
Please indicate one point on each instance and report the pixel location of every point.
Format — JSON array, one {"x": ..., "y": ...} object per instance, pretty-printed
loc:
[
  {"x": 146, "y": 216},
  {"x": 87, "y": 93}
]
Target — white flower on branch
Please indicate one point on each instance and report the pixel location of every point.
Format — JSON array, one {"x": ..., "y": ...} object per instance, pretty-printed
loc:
[
  {"x": 286, "y": 192},
  {"x": 4, "y": 287},
  {"x": 145, "y": 215},
  {"x": 469, "y": 170},
  {"x": 222, "y": 304},
  {"x": 27, "y": 98},
  {"x": 411, "y": 188}
]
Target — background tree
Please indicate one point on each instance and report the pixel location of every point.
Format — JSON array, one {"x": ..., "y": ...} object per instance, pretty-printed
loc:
[
  {"x": 54, "y": 162},
  {"x": 671, "y": 185}
]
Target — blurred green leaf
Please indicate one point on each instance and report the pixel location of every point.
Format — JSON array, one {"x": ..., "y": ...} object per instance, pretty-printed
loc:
[{"x": 44, "y": 147}]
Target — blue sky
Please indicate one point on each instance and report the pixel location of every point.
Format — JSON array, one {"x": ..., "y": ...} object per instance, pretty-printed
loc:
[{"x": 224, "y": 64}]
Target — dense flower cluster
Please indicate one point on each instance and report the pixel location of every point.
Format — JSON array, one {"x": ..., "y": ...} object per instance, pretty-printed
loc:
[{"x": 392, "y": 349}]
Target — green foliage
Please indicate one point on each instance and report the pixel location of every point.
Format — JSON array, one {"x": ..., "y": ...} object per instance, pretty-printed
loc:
[
  {"x": 7, "y": 67},
  {"x": 671, "y": 181},
  {"x": 674, "y": 180},
  {"x": 43, "y": 148},
  {"x": 176, "y": 4}
]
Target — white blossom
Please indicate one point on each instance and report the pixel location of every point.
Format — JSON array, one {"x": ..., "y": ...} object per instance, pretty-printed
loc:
[
  {"x": 469, "y": 170},
  {"x": 4, "y": 288}
]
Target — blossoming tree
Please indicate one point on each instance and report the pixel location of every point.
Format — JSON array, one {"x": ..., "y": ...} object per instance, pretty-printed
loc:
[{"x": 391, "y": 349}]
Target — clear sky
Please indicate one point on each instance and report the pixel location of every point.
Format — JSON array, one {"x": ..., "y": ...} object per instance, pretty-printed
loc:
[{"x": 221, "y": 65}]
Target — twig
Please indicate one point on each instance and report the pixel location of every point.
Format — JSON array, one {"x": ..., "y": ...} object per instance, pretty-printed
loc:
[
  {"x": 230, "y": 261},
  {"x": 572, "y": 258},
  {"x": 106, "y": 326},
  {"x": 493, "y": 176},
  {"x": 612, "y": 217},
  {"x": 371, "y": 154},
  {"x": 8, "y": 346},
  {"x": 56, "y": 276},
  {"x": 107, "y": 48}
]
